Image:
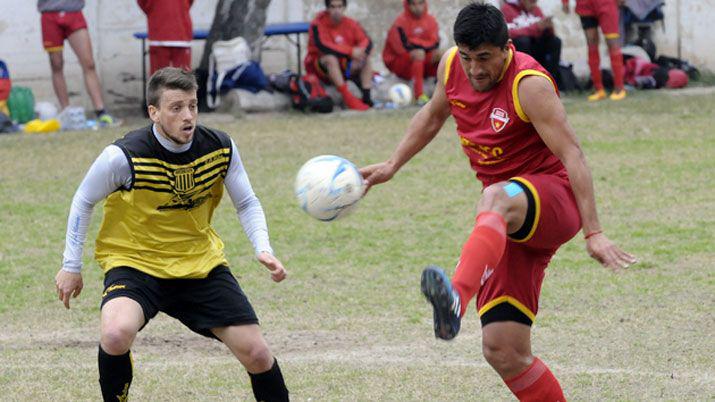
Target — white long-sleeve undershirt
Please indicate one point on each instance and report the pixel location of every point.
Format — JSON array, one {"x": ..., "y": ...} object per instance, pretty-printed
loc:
[{"x": 111, "y": 172}]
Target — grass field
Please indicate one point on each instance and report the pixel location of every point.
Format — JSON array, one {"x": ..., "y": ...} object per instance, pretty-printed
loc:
[{"x": 350, "y": 323}]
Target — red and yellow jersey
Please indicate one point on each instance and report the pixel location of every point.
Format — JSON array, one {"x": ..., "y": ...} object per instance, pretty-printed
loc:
[{"x": 495, "y": 133}]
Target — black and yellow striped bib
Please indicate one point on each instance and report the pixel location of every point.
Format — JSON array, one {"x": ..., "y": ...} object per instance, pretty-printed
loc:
[{"x": 162, "y": 224}]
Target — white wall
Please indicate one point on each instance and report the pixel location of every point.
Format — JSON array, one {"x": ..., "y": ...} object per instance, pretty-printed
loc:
[{"x": 117, "y": 53}]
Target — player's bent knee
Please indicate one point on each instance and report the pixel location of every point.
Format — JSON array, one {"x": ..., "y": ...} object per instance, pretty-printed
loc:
[
  {"x": 494, "y": 198},
  {"x": 505, "y": 359},
  {"x": 329, "y": 60},
  {"x": 116, "y": 339},
  {"x": 259, "y": 358}
]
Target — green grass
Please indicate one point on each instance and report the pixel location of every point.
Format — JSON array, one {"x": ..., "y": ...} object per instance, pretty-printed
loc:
[{"x": 350, "y": 323}]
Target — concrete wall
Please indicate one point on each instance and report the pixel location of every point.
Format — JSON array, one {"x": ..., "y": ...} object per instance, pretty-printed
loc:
[{"x": 686, "y": 32}]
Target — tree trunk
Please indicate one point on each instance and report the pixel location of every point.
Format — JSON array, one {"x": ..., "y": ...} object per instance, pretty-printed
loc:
[{"x": 233, "y": 18}]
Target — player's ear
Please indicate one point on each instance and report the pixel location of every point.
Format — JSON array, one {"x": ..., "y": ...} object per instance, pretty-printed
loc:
[{"x": 153, "y": 113}]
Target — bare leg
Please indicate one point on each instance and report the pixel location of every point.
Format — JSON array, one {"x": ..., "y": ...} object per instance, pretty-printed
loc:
[
  {"x": 366, "y": 75},
  {"x": 82, "y": 46},
  {"x": 335, "y": 74},
  {"x": 58, "y": 78},
  {"x": 121, "y": 319},
  {"x": 248, "y": 345},
  {"x": 507, "y": 347}
]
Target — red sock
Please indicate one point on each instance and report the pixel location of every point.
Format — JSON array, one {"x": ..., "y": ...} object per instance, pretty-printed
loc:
[
  {"x": 537, "y": 383},
  {"x": 594, "y": 63},
  {"x": 350, "y": 100},
  {"x": 617, "y": 67},
  {"x": 483, "y": 249},
  {"x": 418, "y": 71}
]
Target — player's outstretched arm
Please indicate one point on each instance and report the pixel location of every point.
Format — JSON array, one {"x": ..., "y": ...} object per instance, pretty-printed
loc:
[
  {"x": 422, "y": 129},
  {"x": 543, "y": 107},
  {"x": 278, "y": 272},
  {"x": 108, "y": 172}
]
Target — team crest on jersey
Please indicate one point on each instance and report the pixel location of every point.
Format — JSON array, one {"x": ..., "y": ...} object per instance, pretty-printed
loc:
[
  {"x": 184, "y": 180},
  {"x": 499, "y": 119}
]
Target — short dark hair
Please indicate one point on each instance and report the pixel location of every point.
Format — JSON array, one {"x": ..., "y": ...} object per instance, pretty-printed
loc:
[
  {"x": 327, "y": 3},
  {"x": 480, "y": 23},
  {"x": 169, "y": 78}
]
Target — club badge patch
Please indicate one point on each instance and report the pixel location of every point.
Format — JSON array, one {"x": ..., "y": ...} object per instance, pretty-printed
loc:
[{"x": 499, "y": 118}]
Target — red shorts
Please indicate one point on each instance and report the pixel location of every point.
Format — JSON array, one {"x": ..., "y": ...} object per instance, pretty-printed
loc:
[
  {"x": 58, "y": 26},
  {"x": 402, "y": 66},
  {"x": 510, "y": 292},
  {"x": 313, "y": 66},
  {"x": 604, "y": 11},
  {"x": 166, "y": 56}
]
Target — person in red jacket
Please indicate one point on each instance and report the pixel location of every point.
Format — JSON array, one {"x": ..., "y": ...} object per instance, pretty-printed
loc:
[
  {"x": 339, "y": 49},
  {"x": 412, "y": 47},
  {"x": 533, "y": 33},
  {"x": 170, "y": 33},
  {"x": 603, "y": 13}
]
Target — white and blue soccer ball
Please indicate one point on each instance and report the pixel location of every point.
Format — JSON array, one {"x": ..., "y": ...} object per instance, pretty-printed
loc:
[
  {"x": 328, "y": 187},
  {"x": 401, "y": 94}
]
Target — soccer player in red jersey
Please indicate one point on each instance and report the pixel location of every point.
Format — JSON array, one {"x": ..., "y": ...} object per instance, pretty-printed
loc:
[
  {"x": 339, "y": 50},
  {"x": 537, "y": 194},
  {"x": 603, "y": 13},
  {"x": 412, "y": 47}
]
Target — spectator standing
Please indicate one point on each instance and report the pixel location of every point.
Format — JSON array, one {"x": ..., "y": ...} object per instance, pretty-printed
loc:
[
  {"x": 339, "y": 49},
  {"x": 412, "y": 48},
  {"x": 533, "y": 33},
  {"x": 63, "y": 19},
  {"x": 604, "y": 14},
  {"x": 170, "y": 33}
]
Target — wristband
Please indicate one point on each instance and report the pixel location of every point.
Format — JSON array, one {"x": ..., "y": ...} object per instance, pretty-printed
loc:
[{"x": 591, "y": 234}]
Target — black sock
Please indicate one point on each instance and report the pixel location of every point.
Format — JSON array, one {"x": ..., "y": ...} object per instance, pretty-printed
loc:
[
  {"x": 269, "y": 386},
  {"x": 366, "y": 97},
  {"x": 100, "y": 112},
  {"x": 115, "y": 375}
]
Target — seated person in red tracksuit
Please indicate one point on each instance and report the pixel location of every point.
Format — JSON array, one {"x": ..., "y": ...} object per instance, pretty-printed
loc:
[
  {"x": 412, "y": 47},
  {"x": 339, "y": 49},
  {"x": 533, "y": 33},
  {"x": 170, "y": 33}
]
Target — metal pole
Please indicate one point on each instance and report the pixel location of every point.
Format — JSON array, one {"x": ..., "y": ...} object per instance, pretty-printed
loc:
[{"x": 678, "y": 43}]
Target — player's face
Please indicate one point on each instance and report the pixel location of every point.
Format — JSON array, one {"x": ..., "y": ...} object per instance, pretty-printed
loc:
[
  {"x": 175, "y": 117},
  {"x": 336, "y": 8},
  {"x": 483, "y": 65},
  {"x": 417, "y": 7}
]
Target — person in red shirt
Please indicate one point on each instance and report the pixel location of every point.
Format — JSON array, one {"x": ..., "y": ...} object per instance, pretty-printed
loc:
[
  {"x": 538, "y": 192},
  {"x": 63, "y": 20},
  {"x": 412, "y": 48},
  {"x": 533, "y": 33},
  {"x": 339, "y": 49},
  {"x": 603, "y": 13},
  {"x": 170, "y": 33}
]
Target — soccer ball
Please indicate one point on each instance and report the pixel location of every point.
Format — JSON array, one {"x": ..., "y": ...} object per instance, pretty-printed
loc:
[
  {"x": 401, "y": 94},
  {"x": 328, "y": 187}
]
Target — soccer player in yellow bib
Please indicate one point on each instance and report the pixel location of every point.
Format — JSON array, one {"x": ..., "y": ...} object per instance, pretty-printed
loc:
[{"x": 156, "y": 244}]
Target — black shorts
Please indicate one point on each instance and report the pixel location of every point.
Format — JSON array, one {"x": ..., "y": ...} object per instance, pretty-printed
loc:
[
  {"x": 200, "y": 304},
  {"x": 588, "y": 22}
]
